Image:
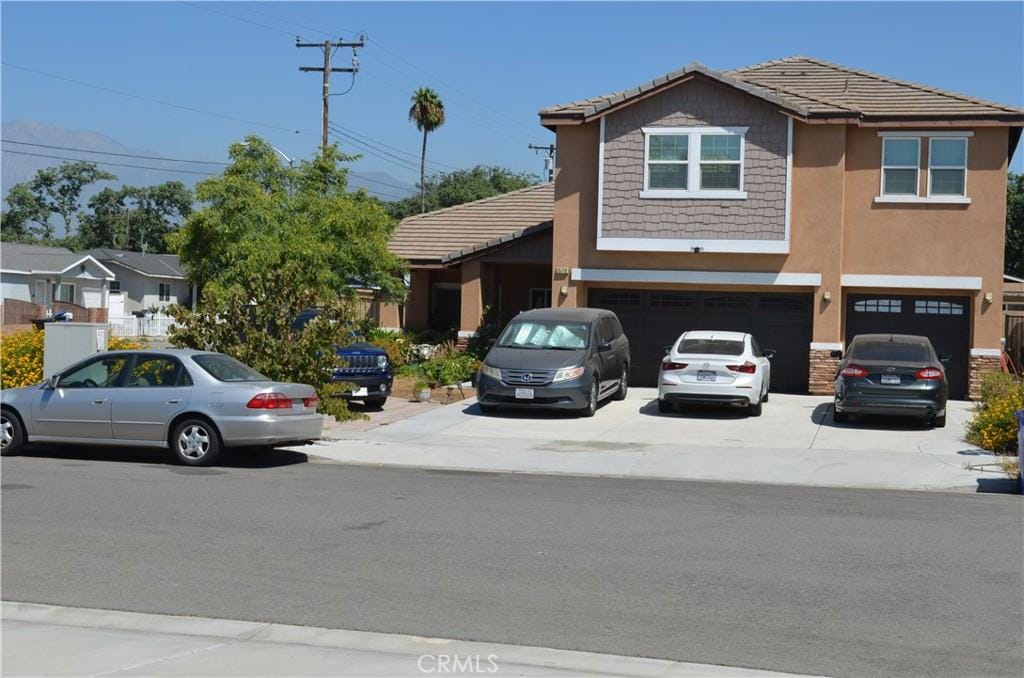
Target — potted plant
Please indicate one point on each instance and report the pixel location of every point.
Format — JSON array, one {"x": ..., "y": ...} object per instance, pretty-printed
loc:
[{"x": 422, "y": 391}]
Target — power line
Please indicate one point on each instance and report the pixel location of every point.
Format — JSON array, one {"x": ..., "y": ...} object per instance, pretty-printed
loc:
[
  {"x": 413, "y": 164},
  {"x": 121, "y": 155},
  {"x": 237, "y": 18},
  {"x": 150, "y": 100},
  {"x": 113, "y": 164},
  {"x": 393, "y": 148},
  {"x": 328, "y": 47}
]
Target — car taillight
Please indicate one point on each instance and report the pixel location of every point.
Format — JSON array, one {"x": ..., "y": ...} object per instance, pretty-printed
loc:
[
  {"x": 854, "y": 371},
  {"x": 669, "y": 365},
  {"x": 746, "y": 368},
  {"x": 929, "y": 373},
  {"x": 270, "y": 401},
  {"x": 312, "y": 401}
]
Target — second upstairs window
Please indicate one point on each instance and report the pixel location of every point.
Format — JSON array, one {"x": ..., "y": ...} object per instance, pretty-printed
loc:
[{"x": 693, "y": 162}]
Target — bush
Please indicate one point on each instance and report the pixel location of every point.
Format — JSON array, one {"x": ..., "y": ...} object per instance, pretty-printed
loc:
[
  {"x": 395, "y": 344},
  {"x": 448, "y": 366},
  {"x": 994, "y": 424},
  {"x": 21, "y": 357}
]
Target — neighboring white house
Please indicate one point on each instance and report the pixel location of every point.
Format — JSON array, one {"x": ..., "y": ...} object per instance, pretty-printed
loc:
[
  {"x": 143, "y": 281},
  {"x": 42, "y": 275}
]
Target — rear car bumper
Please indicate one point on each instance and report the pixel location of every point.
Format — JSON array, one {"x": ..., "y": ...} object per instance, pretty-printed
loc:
[
  {"x": 890, "y": 405},
  {"x": 270, "y": 429},
  {"x": 741, "y": 392},
  {"x": 740, "y": 400},
  {"x": 570, "y": 395}
]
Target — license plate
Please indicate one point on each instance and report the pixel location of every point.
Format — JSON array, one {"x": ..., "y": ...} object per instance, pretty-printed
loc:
[
  {"x": 361, "y": 392},
  {"x": 891, "y": 379},
  {"x": 704, "y": 375},
  {"x": 524, "y": 394}
]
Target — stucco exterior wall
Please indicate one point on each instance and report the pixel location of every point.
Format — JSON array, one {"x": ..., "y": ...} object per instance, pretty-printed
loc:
[
  {"x": 17, "y": 286},
  {"x": 141, "y": 292},
  {"x": 698, "y": 103}
]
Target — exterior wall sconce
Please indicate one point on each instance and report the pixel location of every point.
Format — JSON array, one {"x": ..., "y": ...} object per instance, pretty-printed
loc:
[
  {"x": 562, "y": 271},
  {"x": 988, "y": 297},
  {"x": 827, "y": 296},
  {"x": 564, "y": 290}
]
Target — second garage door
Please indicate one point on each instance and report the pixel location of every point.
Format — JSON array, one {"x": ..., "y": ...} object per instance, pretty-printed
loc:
[{"x": 654, "y": 319}]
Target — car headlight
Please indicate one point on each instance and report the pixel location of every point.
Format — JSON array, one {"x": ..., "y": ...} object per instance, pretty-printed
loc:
[
  {"x": 567, "y": 373},
  {"x": 492, "y": 372},
  {"x": 382, "y": 361}
]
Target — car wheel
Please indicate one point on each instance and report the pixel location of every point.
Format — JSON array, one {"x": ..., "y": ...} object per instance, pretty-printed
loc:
[
  {"x": 12, "y": 437},
  {"x": 591, "y": 406},
  {"x": 620, "y": 394},
  {"x": 939, "y": 421},
  {"x": 765, "y": 398},
  {"x": 195, "y": 442},
  {"x": 754, "y": 409},
  {"x": 665, "y": 406},
  {"x": 838, "y": 416},
  {"x": 375, "y": 403}
]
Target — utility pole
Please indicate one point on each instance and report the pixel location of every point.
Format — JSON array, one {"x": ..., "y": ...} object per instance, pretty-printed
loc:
[
  {"x": 549, "y": 160},
  {"x": 328, "y": 47}
]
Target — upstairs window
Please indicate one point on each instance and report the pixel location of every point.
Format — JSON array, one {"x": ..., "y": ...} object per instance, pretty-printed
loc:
[
  {"x": 947, "y": 166},
  {"x": 901, "y": 159},
  {"x": 667, "y": 161},
  {"x": 693, "y": 162},
  {"x": 720, "y": 161}
]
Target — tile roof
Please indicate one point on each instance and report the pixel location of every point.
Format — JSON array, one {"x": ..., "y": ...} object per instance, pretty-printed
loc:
[
  {"x": 161, "y": 265},
  {"x": 454, "y": 232},
  {"x": 812, "y": 88}
]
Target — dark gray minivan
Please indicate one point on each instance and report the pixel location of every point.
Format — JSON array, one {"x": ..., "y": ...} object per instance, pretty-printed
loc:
[{"x": 567, "y": 359}]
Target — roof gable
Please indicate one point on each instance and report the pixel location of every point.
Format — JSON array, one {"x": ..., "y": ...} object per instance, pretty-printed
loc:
[
  {"x": 37, "y": 259},
  {"x": 153, "y": 265},
  {"x": 807, "y": 88}
]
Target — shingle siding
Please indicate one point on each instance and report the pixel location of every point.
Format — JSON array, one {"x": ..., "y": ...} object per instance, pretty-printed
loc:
[{"x": 699, "y": 103}]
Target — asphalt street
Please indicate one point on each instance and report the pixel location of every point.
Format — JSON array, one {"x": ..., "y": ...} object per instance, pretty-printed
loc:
[{"x": 809, "y": 580}]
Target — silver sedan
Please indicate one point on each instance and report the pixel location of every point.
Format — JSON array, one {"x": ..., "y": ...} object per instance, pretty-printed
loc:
[{"x": 194, "y": 402}]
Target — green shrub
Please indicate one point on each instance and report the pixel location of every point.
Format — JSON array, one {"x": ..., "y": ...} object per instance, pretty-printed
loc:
[
  {"x": 396, "y": 344},
  {"x": 994, "y": 424}
]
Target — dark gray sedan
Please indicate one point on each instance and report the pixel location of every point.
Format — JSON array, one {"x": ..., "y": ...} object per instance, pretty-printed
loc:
[
  {"x": 891, "y": 374},
  {"x": 194, "y": 402}
]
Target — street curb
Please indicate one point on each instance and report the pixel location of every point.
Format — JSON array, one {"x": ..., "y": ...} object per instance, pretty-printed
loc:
[{"x": 362, "y": 641}]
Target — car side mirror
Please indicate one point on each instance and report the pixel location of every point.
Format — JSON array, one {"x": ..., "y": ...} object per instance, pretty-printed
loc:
[
  {"x": 668, "y": 349},
  {"x": 53, "y": 381},
  {"x": 768, "y": 353},
  {"x": 836, "y": 354},
  {"x": 604, "y": 346},
  {"x": 945, "y": 358}
]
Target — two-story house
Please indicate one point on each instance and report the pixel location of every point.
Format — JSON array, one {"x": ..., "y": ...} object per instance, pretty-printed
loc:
[{"x": 799, "y": 200}]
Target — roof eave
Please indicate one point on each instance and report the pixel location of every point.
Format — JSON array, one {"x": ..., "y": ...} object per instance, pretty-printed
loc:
[{"x": 479, "y": 249}]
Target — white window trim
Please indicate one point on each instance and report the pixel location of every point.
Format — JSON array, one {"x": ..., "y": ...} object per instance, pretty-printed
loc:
[
  {"x": 932, "y": 140},
  {"x": 916, "y": 167},
  {"x": 702, "y": 277},
  {"x": 693, "y": 163}
]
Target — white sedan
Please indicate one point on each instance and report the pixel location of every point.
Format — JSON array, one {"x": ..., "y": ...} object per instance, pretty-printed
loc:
[{"x": 712, "y": 367}]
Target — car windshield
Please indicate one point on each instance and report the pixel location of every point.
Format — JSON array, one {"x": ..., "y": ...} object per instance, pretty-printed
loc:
[
  {"x": 891, "y": 351},
  {"x": 225, "y": 368},
  {"x": 554, "y": 334},
  {"x": 712, "y": 346}
]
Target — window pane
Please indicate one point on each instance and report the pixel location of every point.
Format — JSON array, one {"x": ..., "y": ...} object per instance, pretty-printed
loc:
[
  {"x": 948, "y": 153},
  {"x": 720, "y": 177},
  {"x": 97, "y": 374},
  {"x": 900, "y": 182},
  {"x": 948, "y": 182},
  {"x": 901, "y": 152},
  {"x": 667, "y": 176},
  {"x": 155, "y": 371},
  {"x": 720, "y": 147},
  {"x": 668, "y": 147}
]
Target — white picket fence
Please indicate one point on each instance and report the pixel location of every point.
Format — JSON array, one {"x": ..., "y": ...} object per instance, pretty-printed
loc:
[{"x": 149, "y": 326}]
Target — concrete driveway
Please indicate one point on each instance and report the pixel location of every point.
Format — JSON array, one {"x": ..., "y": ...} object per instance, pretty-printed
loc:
[{"x": 795, "y": 441}]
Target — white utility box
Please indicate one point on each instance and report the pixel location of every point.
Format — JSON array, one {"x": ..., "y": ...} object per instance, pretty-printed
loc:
[{"x": 67, "y": 343}]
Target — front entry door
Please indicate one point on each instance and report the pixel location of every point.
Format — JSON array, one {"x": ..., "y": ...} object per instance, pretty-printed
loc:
[{"x": 80, "y": 405}]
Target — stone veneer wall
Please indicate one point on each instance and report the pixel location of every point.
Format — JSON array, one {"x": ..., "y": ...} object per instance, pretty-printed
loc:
[
  {"x": 698, "y": 103},
  {"x": 980, "y": 364},
  {"x": 823, "y": 373}
]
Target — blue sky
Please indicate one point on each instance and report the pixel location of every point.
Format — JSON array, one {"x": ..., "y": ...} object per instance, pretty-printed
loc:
[{"x": 494, "y": 64}]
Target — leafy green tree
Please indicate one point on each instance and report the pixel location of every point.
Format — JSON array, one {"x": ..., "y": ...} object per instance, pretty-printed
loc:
[
  {"x": 427, "y": 111},
  {"x": 27, "y": 215},
  {"x": 462, "y": 186},
  {"x": 60, "y": 189},
  {"x": 262, "y": 215},
  {"x": 1014, "y": 252},
  {"x": 254, "y": 325},
  {"x": 135, "y": 218}
]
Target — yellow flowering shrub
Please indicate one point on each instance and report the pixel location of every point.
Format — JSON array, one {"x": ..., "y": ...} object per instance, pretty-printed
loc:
[
  {"x": 21, "y": 357},
  {"x": 994, "y": 425}
]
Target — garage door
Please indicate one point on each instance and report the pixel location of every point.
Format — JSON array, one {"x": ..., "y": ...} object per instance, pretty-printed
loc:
[
  {"x": 946, "y": 321},
  {"x": 654, "y": 319}
]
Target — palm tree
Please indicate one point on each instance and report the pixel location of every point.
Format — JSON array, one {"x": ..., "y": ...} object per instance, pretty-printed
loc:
[{"x": 427, "y": 111}]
